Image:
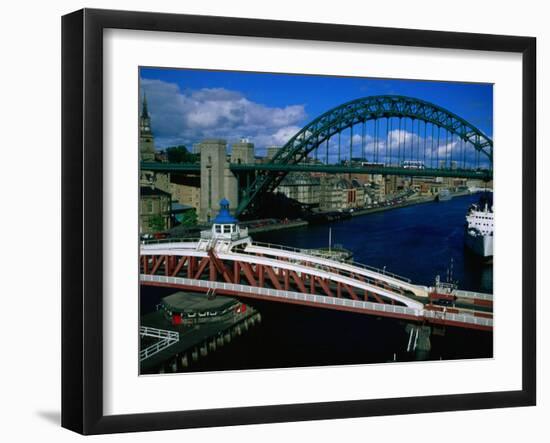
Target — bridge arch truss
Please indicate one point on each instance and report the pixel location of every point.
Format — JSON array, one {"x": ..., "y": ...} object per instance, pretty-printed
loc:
[{"x": 467, "y": 138}]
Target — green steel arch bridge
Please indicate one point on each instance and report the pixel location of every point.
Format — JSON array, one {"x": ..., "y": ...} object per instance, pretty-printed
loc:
[{"x": 385, "y": 134}]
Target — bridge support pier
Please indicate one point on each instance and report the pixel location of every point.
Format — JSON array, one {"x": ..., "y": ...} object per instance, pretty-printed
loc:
[
  {"x": 184, "y": 361},
  {"x": 212, "y": 345},
  {"x": 418, "y": 341}
]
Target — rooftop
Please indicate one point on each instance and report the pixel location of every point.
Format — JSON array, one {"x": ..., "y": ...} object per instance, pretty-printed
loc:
[
  {"x": 149, "y": 190},
  {"x": 187, "y": 302},
  {"x": 179, "y": 207}
]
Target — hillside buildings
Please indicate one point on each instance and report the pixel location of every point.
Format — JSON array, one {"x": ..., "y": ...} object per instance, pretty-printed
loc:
[{"x": 154, "y": 210}]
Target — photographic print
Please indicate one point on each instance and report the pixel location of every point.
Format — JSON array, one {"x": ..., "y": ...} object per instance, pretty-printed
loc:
[{"x": 291, "y": 220}]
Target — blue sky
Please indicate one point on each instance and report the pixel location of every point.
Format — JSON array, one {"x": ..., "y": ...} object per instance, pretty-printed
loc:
[{"x": 189, "y": 105}]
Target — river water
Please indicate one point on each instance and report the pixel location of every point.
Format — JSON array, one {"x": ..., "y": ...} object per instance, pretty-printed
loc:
[{"x": 417, "y": 242}]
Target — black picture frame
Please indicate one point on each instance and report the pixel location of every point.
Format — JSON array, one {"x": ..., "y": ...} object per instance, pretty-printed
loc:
[{"x": 82, "y": 218}]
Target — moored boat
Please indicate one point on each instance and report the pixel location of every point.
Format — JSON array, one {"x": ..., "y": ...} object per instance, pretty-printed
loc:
[{"x": 479, "y": 228}]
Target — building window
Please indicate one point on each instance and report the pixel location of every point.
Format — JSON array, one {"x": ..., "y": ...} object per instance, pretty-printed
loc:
[{"x": 148, "y": 206}]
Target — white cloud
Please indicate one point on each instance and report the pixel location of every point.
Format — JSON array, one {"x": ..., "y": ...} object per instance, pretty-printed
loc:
[
  {"x": 358, "y": 139},
  {"x": 404, "y": 137},
  {"x": 187, "y": 117},
  {"x": 404, "y": 145}
]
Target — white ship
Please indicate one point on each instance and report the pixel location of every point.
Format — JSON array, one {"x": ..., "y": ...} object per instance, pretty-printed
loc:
[{"x": 479, "y": 228}]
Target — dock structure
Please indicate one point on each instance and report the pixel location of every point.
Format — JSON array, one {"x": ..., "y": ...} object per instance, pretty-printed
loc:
[
  {"x": 226, "y": 260},
  {"x": 188, "y": 326}
]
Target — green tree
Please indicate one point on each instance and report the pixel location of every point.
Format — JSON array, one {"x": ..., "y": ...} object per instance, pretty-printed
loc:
[
  {"x": 156, "y": 223},
  {"x": 189, "y": 218},
  {"x": 180, "y": 154}
]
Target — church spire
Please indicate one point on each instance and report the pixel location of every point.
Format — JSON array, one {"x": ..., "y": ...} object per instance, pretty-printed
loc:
[
  {"x": 146, "y": 143},
  {"x": 144, "y": 112}
]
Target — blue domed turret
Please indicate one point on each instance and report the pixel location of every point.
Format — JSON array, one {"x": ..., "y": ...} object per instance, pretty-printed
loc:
[{"x": 224, "y": 216}]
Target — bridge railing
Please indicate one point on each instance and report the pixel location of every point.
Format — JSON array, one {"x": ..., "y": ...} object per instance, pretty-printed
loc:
[
  {"x": 148, "y": 331},
  {"x": 352, "y": 262},
  {"x": 381, "y": 271},
  {"x": 276, "y": 246},
  {"x": 156, "y": 241},
  {"x": 166, "y": 339},
  {"x": 233, "y": 236},
  {"x": 323, "y": 299},
  {"x": 459, "y": 318},
  {"x": 474, "y": 295},
  {"x": 290, "y": 295}
]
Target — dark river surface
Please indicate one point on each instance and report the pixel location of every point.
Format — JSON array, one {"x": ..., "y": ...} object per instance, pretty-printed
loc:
[{"x": 417, "y": 242}]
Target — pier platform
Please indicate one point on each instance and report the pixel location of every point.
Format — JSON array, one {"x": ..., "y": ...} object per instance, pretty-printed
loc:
[{"x": 195, "y": 339}]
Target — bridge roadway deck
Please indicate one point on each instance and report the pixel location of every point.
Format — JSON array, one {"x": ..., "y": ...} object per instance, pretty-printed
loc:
[
  {"x": 285, "y": 258},
  {"x": 380, "y": 309},
  {"x": 195, "y": 169}
]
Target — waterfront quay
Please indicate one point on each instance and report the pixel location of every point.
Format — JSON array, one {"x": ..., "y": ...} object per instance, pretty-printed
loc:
[{"x": 261, "y": 226}]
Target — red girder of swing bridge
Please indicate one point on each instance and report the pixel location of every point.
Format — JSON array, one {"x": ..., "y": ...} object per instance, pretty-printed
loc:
[
  {"x": 255, "y": 275},
  {"x": 212, "y": 268}
]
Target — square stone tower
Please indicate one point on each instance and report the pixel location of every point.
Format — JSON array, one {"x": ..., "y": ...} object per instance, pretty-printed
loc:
[
  {"x": 217, "y": 180},
  {"x": 272, "y": 151},
  {"x": 242, "y": 152}
]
